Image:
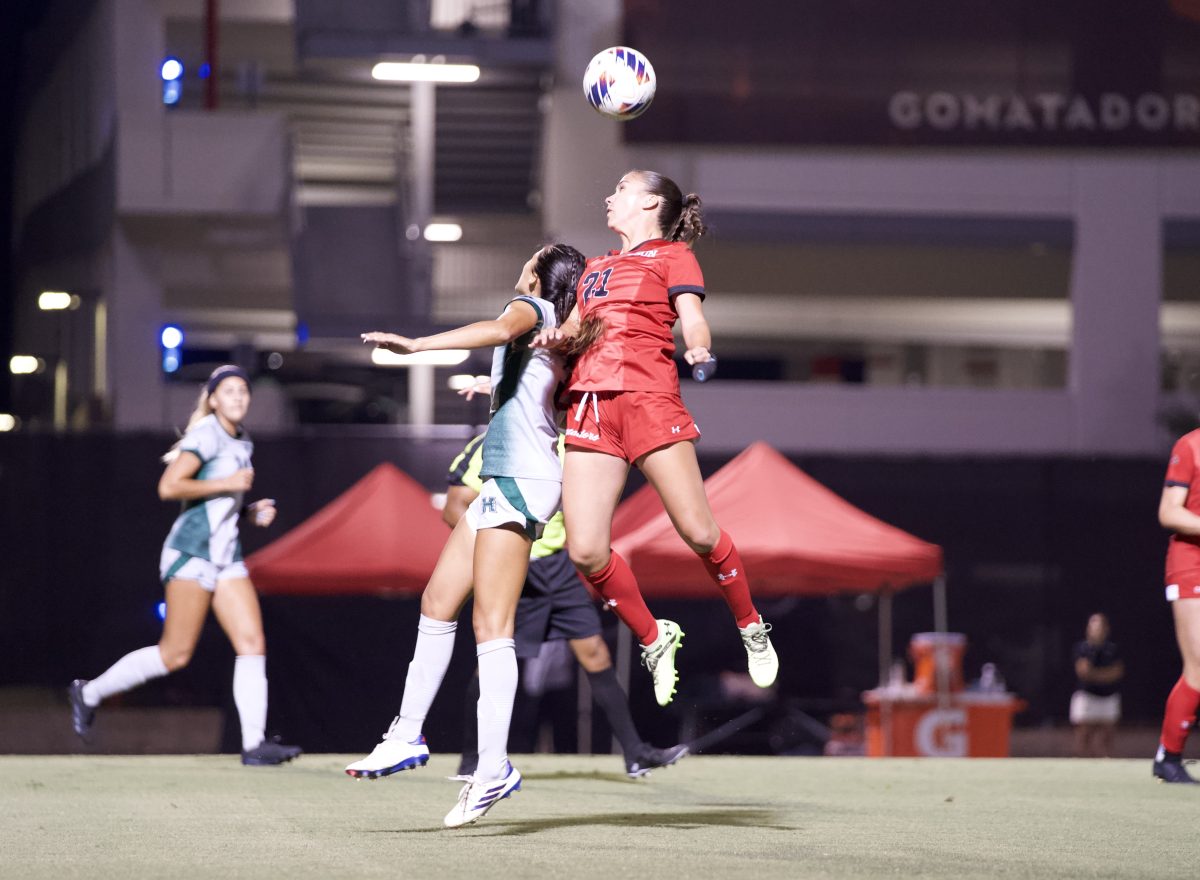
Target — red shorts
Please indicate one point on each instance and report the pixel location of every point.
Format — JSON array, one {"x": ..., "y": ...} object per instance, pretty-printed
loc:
[
  {"x": 1183, "y": 584},
  {"x": 627, "y": 424}
]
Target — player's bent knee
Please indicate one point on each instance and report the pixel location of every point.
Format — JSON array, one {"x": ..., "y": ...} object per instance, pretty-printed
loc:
[
  {"x": 587, "y": 560},
  {"x": 175, "y": 658},
  {"x": 701, "y": 540}
]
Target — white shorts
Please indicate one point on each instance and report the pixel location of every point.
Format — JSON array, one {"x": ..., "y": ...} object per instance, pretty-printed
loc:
[
  {"x": 528, "y": 503},
  {"x": 1090, "y": 709},
  {"x": 175, "y": 565}
]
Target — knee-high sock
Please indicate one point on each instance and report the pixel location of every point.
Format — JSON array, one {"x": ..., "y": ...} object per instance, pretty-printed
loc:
[
  {"x": 135, "y": 668},
  {"x": 250, "y": 697},
  {"x": 497, "y": 691},
  {"x": 1180, "y": 716},
  {"x": 607, "y": 694},
  {"x": 431, "y": 659},
  {"x": 616, "y": 583},
  {"x": 725, "y": 568}
]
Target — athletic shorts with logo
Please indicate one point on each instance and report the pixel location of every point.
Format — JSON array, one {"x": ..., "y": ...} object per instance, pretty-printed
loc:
[
  {"x": 175, "y": 565},
  {"x": 554, "y": 605},
  {"x": 528, "y": 504},
  {"x": 1183, "y": 584},
  {"x": 627, "y": 424}
]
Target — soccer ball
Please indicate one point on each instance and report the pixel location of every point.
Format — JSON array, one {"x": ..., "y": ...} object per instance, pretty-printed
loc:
[{"x": 619, "y": 82}]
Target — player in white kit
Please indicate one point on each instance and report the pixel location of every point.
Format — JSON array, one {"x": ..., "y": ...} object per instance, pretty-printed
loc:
[
  {"x": 208, "y": 470},
  {"x": 488, "y": 551}
]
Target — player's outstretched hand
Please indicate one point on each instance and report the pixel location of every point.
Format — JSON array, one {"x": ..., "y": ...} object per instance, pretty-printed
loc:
[
  {"x": 392, "y": 342},
  {"x": 481, "y": 387},
  {"x": 550, "y": 337},
  {"x": 262, "y": 512}
]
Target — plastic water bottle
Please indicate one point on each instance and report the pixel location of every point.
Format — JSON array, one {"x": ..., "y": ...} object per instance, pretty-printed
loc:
[{"x": 705, "y": 371}]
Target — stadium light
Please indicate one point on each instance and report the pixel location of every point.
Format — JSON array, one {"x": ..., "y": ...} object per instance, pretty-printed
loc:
[
  {"x": 171, "y": 71},
  {"x": 411, "y": 71},
  {"x": 8, "y": 422},
  {"x": 450, "y": 357},
  {"x": 57, "y": 301},
  {"x": 443, "y": 232},
  {"x": 25, "y": 364},
  {"x": 171, "y": 336}
]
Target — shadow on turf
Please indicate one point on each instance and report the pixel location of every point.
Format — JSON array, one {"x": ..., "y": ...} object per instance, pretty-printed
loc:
[{"x": 752, "y": 818}]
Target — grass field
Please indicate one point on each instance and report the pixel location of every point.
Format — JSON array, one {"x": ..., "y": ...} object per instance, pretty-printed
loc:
[{"x": 579, "y": 817}]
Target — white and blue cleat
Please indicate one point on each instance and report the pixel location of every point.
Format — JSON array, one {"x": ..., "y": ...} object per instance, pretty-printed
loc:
[
  {"x": 480, "y": 795},
  {"x": 391, "y": 756}
]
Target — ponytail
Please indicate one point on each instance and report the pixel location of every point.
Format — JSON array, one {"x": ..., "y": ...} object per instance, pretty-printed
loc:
[
  {"x": 689, "y": 226},
  {"x": 202, "y": 409},
  {"x": 680, "y": 217}
]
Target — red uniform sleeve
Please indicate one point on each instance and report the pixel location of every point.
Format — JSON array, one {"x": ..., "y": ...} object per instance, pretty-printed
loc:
[
  {"x": 683, "y": 273},
  {"x": 1182, "y": 467}
]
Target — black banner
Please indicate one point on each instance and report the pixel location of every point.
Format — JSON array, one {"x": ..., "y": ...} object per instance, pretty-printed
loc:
[{"x": 1042, "y": 73}]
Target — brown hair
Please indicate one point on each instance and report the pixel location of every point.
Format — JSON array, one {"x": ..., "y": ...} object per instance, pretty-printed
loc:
[{"x": 680, "y": 217}]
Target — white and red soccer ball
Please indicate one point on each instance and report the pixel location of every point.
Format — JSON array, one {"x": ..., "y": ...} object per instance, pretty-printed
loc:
[{"x": 619, "y": 83}]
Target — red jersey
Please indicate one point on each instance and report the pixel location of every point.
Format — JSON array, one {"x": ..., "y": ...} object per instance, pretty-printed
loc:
[
  {"x": 1183, "y": 551},
  {"x": 635, "y": 294}
]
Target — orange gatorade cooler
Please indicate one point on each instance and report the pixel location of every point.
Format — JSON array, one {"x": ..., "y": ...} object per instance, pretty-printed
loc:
[{"x": 937, "y": 654}]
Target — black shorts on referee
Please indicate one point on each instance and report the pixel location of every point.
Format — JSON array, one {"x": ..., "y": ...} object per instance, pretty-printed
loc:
[{"x": 554, "y": 605}]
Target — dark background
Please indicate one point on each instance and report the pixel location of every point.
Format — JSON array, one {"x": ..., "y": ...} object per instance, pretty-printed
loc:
[
  {"x": 822, "y": 71},
  {"x": 1032, "y": 547}
]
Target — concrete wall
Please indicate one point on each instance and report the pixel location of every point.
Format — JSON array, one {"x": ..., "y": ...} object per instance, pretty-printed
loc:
[{"x": 1117, "y": 203}]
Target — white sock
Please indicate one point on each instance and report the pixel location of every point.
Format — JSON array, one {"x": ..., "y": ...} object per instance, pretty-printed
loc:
[
  {"x": 497, "y": 690},
  {"x": 431, "y": 659},
  {"x": 135, "y": 668},
  {"x": 250, "y": 697}
]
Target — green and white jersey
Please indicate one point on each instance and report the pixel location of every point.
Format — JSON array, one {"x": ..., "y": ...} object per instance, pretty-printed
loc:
[
  {"x": 208, "y": 527},
  {"x": 465, "y": 471},
  {"x": 522, "y": 437}
]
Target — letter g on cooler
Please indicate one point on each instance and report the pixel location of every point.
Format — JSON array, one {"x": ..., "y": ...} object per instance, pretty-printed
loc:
[{"x": 942, "y": 733}]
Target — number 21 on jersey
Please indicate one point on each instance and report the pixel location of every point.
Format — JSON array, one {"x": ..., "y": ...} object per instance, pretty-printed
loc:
[{"x": 593, "y": 284}]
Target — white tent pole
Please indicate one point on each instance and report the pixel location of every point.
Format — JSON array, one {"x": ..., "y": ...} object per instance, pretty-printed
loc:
[
  {"x": 885, "y": 636},
  {"x": 885, "y": 666},
  {"x": 940, "y": 625}
]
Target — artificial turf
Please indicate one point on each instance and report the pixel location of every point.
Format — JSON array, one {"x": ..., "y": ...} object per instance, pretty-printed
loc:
[{"x": 580, "y": 817}]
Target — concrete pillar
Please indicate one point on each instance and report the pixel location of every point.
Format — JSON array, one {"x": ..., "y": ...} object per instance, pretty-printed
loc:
[
  {"x": 583, "y": 152},
  {"x": 1116, "y": 290}
]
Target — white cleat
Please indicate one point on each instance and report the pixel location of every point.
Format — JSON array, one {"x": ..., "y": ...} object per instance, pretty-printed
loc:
[
  {"x": 480, "y": 795},
  {"x": 760, "y": 655},
  {"x": 391, "y": 756},
  {"x": 659, "y": 658}
]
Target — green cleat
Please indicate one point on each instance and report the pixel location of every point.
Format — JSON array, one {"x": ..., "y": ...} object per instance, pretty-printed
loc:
[{"x": 659, "y": 658}]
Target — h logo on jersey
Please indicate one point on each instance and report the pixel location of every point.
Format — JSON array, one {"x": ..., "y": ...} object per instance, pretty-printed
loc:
[
  {"x": 674, "y": 429},
  {"x": 487, "y": 505}
]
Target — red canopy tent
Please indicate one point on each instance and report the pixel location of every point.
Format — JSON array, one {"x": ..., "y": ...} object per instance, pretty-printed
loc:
[
  {"x": 795, "y": 537},
  {"x": 379, "y": 536}
]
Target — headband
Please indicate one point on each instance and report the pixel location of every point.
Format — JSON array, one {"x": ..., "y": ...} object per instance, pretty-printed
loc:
[{"x": 220, "y": 374}]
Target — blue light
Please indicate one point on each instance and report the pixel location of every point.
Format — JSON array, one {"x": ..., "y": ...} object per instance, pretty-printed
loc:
[
  {"x": 301, "y": 332},
  {"x": 161, "y": 610},
  {"x": 172, "y": 92},
  {"x": 171, "y": 360},
  {"x": 171, "y": 336},
  {"x": 204, "y": 70},
  {"x": 172, "y": 69}
]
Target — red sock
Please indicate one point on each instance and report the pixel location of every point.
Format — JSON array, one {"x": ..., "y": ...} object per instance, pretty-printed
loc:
[
  {"x": 1180, "y": 714},
  {"x": 725, "y": 568},
  {"x": 619, "y": 588}
]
